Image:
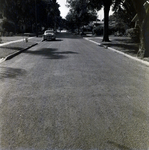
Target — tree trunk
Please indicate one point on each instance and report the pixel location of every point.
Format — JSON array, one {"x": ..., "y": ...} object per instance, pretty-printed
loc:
[
  {"x": 106, "y": 23},
  {"x": 146, "y": 34},
  {"x": 144, "y": 28}
]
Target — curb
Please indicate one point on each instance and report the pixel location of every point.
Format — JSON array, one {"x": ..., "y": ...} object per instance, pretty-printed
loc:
[
  {"x": 16, "y": 53},
  {"x": 119, "y": 52}
]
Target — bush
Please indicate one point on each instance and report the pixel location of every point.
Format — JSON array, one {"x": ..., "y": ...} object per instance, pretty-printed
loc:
[
  {"x": 134, "y": 33},
  {"x": 11, "y": 33},
  {"x": 98, "y": 30},
  {"x": 8, "y": 26}
]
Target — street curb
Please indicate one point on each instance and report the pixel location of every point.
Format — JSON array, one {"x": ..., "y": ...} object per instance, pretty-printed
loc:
[
  {"x": 17, "y": 53},
  {"x": 119, "y": 52}
]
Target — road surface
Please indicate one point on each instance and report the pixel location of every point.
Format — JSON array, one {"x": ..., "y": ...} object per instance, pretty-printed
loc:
[{"x": 71, "y": 94}]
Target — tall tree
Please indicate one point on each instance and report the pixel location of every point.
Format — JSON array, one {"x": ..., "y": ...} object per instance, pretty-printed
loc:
[
  {"x": 27, "y": 12},
  {"x": 80, "y": 13},
  {"x": 125, "y": 12},
  {"x": 106, "y": 4},
  {"x": 53, "y": 13},
  {"x": 142, "y": 9},
  {"x": 12, "y": 10},
  {"x": 71, "y": 21}
]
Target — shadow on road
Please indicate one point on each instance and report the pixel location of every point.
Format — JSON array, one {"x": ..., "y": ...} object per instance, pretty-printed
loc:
[
  {"x": 51, "y": 53},
  {"x": 119, "y": 146},
  {"x": 6, "y": 72}
]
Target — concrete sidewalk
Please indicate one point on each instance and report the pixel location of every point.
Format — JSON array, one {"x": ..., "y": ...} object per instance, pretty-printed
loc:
[{"x": 12, "y": 46}]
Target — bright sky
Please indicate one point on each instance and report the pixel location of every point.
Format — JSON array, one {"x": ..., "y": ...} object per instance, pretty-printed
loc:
[{"x": 64, "y": 10}]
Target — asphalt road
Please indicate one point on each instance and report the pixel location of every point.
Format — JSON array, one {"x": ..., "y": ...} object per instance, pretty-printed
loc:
[{"x": 71, "y": 94}]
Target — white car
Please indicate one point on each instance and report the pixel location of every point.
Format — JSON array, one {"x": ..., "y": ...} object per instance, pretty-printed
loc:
[{"x": 49, "y": 35}]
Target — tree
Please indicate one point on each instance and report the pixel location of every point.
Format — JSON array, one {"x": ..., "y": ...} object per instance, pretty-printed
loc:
[
  {"x": 128, "y": 12},
  {"x": 125, "y": 13},
  {"x": 123, "y": 16},
  {"x": 30, "y": 11},
  {"x": 142, "y": 9},
  {"x": 145, "y": 30},
  {"x": 53, "y": 14},
  {"x": 11, "y": 10},
  {"x": 79, "y": 13},
  {"x": 106, "y": 4},
  {"x": 71, "y": 23}
]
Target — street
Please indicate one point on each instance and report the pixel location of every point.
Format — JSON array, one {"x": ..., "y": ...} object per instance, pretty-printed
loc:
[{"x": 71, "y": 94}]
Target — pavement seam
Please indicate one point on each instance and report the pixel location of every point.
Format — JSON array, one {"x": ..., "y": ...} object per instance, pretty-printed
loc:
[{"x": 119, "y": 52}]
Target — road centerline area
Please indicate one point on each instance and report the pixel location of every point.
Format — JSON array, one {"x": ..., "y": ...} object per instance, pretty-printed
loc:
[{"x": 72, "y": 94}]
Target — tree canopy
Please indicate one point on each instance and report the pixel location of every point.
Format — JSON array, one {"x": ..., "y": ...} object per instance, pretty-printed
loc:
[
  {"x": 25, "y": 12},
  {"x": 106, "y": 4},
  {"x": 80, "y": 13},
  {"x": 94, "y": 5}
]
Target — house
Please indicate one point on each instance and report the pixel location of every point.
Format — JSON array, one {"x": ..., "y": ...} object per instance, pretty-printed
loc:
[{"x": 96, "y": 23}]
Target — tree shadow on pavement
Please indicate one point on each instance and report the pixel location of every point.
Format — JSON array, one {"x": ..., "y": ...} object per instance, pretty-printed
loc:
[
  {"x": 118, "y": 145},
  {"x": 51, "y": 53},
  {"x": 7, "y": 72}
]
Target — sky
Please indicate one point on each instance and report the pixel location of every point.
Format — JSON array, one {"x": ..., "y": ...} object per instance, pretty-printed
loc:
[{"x": 64, "y": 10}]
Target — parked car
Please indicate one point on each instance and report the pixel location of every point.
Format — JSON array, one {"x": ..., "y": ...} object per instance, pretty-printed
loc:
[{"x": 49, "y": 35}]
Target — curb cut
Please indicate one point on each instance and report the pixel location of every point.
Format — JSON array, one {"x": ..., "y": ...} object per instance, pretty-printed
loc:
[
  {"x": 17, "y": 53},
  {"x": 119, "y": 52}
]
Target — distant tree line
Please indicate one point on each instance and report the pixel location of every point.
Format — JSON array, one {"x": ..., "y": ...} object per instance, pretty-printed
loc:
[{"x": 80, "y": 14}]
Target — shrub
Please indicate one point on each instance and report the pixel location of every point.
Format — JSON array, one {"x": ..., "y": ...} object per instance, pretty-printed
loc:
[
  {"x": 8, "y": 26},
  {"x": 98, "y": 30},
  {"x": 11, "y": 33}
]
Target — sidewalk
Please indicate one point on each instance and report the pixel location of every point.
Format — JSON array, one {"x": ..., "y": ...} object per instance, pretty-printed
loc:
[
  {"x": 122, "y": 44},
  {"x": 11, "y": 46}
]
